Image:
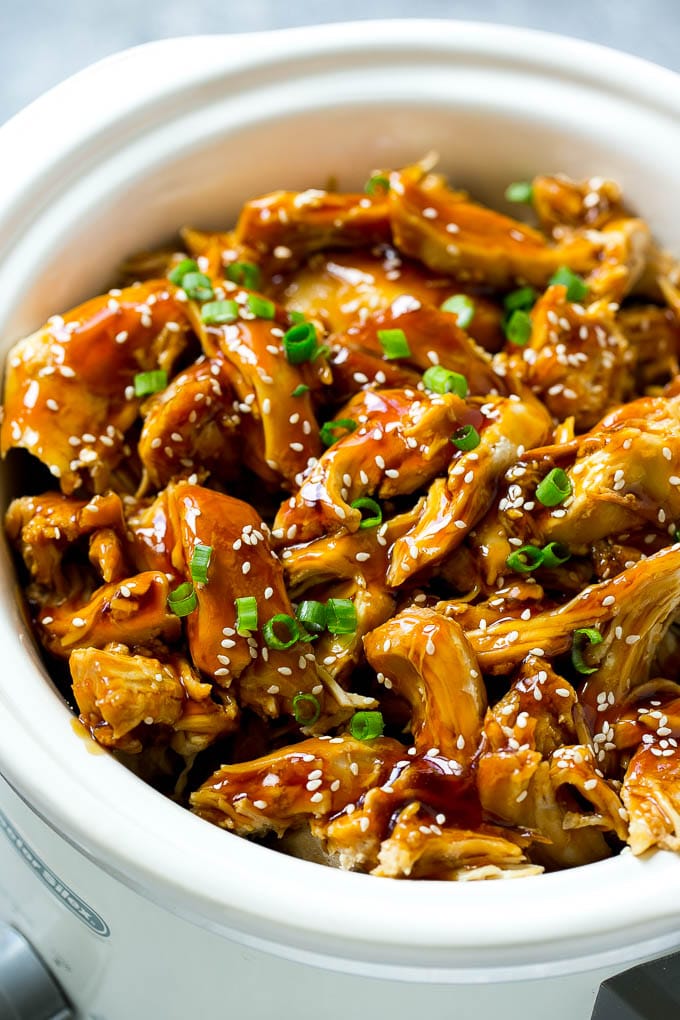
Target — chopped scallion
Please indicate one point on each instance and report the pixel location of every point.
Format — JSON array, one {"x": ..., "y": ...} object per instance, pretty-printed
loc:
[
  {"x": 178, "y": 272},
  {"x": 200, "y": 561},
  {"x": 197, "y": 286},
  {"x": 147, "y": 383},
  {"x": 466, "y": 438},
  {"x": 377, "y": 183},
  {"x": 299, "y": 390},
  {"x": 583, "y": 637},
  {"x": 280, "y": 622},
  {"x": 366, "y": 725},
  {"x": 554, "y": 554},
  {"x": 577, "y": 288},
  {"x": 442, "y": 380},
  {"x": 329, "y": 429},
  {"x": 462, "y": 306},
  {"x": 296, "y": 317},
  {"x": 518, "y": 327},
  {"x": 523, "y": 299},
  {"x": 526, "y": 559},
  {"x": 394, "y": 343},
  {"x": 312, "y": 616},
  {"x": 246, "y": 274},
  {"x": 215, "y": 313},
  {"x": 374, "y": 517},
  {"x": 261, "y": 307},
  {"x": 341, "y": 616},
  {"x": 299, "y": 343},
  {"x": 246, "y": 614},
  {"x": 519, "y": 191},
  {"x": 182, "y": 600},
  {"x": 306, "y": 709},
  {"x": 554, "y": 488}
]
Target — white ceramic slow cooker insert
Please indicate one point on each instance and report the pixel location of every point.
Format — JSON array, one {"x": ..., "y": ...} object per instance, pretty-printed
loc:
[{"x": 112, "y": 162}]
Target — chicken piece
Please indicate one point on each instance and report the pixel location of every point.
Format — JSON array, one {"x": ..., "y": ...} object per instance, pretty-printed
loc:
[
  {"x": 419, "y": 848},
  {"x": 650, "y": 713},
  {"x": 132, "y": 612},
  {"x": 285, "y": 788},
  {"x": 343, "y": 288},
  {"x": 535, "y": 772},
  {"x": 632, "y": 611},
  {"x": 69, "y": 393},
  {"x": 151, "y": 538},
  {"x": 651, "y": 793},
  {"x": 360, "y": 556},
  {"x": 560, "y": 202},
  {"x": 242, "y": 564},
  {"x": 123, "y": 698},
  {"x": 434, "y": 338},
  {"x": 341, "y": 653},
  {"x": 286, "y": 226},
  {"x": 43, "y": 528},
  {"x": 507, "y": 426},
  {"x": 280, "y": 434},
  {"x": 451, "y": 234},
  {"x": 107, "y": 554},
  {"x": 400, "y": 443},
  {"x": 192, "y": 427},
  {"x": 653, "y": 335},
  {"x": 430, "y": 664},
  {"x": 578, "y": 362}
]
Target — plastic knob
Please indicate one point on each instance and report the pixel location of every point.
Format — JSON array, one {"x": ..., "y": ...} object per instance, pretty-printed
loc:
[{"x": 27, "y": 989}]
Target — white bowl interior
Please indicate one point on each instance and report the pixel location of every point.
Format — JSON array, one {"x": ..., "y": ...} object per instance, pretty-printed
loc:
[{"x": 497, "y": 106}]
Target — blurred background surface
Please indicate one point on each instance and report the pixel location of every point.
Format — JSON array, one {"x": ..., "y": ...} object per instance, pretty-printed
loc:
[{"x": 44, "y": 41}]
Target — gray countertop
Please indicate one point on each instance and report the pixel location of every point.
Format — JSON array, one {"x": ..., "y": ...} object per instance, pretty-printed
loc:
[{"x": 42, "y": 42}]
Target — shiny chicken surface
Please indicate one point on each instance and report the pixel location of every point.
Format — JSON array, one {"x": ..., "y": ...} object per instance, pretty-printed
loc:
[{"x": 353, "y": 529}]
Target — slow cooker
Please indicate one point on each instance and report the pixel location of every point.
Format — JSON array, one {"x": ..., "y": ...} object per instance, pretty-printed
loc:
[{"x": 116, "y": 904}]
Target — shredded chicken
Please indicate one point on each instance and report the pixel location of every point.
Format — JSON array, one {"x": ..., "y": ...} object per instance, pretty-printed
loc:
[{"x": 359, "y": 530}]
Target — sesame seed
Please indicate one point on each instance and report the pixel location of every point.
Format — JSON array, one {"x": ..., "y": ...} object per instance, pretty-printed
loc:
[
  {"x": 314, "y": 784},
  {"x": 521, "y": 796},
  {"x": 260, "y": 804},
  {"x": 245, "y": 567},
  {"x": 354, "y": 768},
  {"x": 380, "y": 462}
]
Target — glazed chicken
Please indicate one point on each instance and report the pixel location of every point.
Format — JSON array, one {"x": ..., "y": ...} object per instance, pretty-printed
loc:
[{"x": 353, "y": 527}]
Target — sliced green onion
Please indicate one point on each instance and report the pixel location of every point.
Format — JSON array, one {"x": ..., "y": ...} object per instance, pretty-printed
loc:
[
  {"x": 554, "y": 554},
  {"x": 522, "y": 299},
  {"x": 296, "y": 317},
  {"x": 442, "y": 380},
  {"x": 394, "y": 343},
  {"x": 341, "y": 616},
  {"x": 299, "y": 390},
  {"x": 312, "y": 616},
  {"x": 246, "y": 614},
  {"x": 375, "y": 512},
  {"x": 261, "y": 307},
  {"x": 329, "y": 428},
  {"x": 214, "y": 313},
  {"x": 518, "y": 327},
  {"x": 366, "y": 725},
  {"x": 577, "y": 288},
  {"x": 150, "y": 382},
  {"x": 299, "y": 343},
  {"x": 246, "y": 274},
  {"x": 200, "y": 561},
  {"x": 554, "y": 488},
  {"x": 182, "y": 600},
  {"x": 177, "y": 274},
  {"x": 280, "y": 621},
  {"x": 306, "y": 709},
  {"x": 377, "y": 183},
  {"x": 197, "y": 286},
  {"x": 466, "y": 438},
  {"x": 462, "y": 306},
  {"x": 526, "y": 559},
  {"x": 582, "y": 637},
  {"x": 322, "y": 351},
  {"x": 674, "y": 532},
  {"x": 519, "y": 191}
]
